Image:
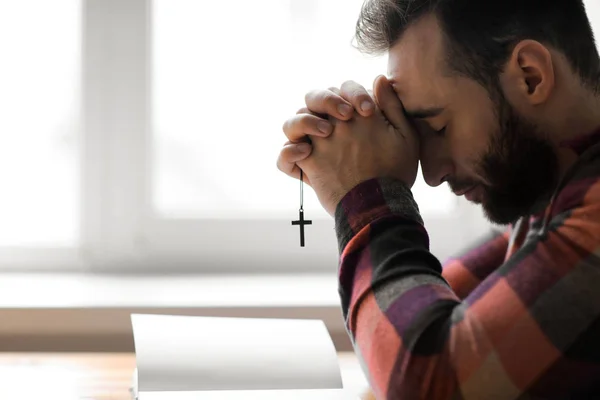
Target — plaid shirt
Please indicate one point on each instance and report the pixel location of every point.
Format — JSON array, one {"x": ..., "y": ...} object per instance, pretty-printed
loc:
[{"x": 516, "y": 318}]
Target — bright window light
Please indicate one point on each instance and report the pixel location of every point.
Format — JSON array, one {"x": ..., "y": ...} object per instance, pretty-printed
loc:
[
  {"x": 40, "y": 48},
  {"x": 226, "y": 75}
]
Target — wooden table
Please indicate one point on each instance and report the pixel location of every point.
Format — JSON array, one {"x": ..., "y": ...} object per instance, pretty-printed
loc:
[
  {"x": 97, "y": 376},
  {"x": 66, "y": 376}
]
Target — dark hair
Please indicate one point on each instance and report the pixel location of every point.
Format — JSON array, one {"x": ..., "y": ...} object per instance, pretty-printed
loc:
[{"x": 481, "y": 34}]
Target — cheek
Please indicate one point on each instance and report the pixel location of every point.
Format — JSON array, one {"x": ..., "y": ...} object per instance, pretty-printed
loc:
[
  {"x": 473, "y": 123},
  {"x": 467, "y": 148},
  {"x": 433, "y": 149}
]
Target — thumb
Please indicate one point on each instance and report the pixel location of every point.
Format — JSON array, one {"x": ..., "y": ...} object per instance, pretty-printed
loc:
[{"x": 389, "y": 103}]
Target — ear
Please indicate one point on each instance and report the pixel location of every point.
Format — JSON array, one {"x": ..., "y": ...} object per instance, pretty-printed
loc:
[{"x": 529, "y": 73}]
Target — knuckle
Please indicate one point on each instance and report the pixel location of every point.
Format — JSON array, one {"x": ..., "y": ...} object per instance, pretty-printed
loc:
[
  {"x": 303, "y": 122},
  {"x": 279, "y": 162},
  {"x": 328, "y": 96},
  {"x": 309, "y": 95},
  {"x": 312, "y": 123},
  {"x": 355, "y": 92},
  {"x": 319, "y": 99},
  {"x": 329, "y": 100},
  {"x": 286, "y": 125},
  {"x": 284, "y": 161},
  {"x": 346, "y": 85}
]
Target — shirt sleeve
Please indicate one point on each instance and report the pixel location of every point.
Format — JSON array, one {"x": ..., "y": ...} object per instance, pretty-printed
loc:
[
  {"x": 468, "y": 268},
  {"x": 529, "y": 329}
]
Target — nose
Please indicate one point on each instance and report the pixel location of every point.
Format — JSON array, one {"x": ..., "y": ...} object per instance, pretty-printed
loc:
[{"x": 436, "y": 162}]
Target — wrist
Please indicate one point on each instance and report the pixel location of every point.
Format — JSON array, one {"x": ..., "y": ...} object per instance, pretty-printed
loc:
[{"x": 372, "y": 200}]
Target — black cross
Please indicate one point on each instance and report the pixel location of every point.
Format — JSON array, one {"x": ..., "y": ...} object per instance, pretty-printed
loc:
[{"x": 302, "y": 222}]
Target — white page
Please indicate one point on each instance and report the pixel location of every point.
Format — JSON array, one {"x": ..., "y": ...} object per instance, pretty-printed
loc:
[
  {"x": 319, "y": 394},
  {"x": 180, "y": 353}
]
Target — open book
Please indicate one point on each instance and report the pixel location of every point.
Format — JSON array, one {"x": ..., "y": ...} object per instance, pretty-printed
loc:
[{"x": 211, "y": 358}]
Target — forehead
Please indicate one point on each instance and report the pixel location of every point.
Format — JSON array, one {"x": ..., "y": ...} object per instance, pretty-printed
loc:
[{"x": 415, "y": 62}]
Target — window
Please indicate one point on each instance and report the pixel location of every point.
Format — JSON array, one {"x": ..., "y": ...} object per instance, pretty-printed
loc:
[
  {"x": 39, "y": 158},
  {"x": 172, "y": 164},
  {"x": 223, "y": 83},
  {"x": 222, "y": 87}
]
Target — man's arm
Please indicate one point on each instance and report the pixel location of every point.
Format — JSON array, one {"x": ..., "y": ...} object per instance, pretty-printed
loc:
[
  {"x": 530, "y": 327},
  {"x": 465, "y": 271}
]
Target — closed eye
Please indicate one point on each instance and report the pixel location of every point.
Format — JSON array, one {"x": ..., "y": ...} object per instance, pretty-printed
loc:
[{"x": 441, "y": 132}]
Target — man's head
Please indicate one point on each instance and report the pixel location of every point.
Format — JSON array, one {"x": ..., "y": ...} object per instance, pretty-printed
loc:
[{"x": 483, "y": 82}]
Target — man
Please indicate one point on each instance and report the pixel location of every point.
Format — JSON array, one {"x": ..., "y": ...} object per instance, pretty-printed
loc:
[{"x": 499, "y": 99}]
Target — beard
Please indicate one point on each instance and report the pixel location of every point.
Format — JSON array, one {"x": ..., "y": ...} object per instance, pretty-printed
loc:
[{"x": 520, "y": 165}]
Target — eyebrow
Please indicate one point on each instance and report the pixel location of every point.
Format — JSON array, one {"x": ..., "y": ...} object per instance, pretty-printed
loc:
[{"x": 424, "y": 113}]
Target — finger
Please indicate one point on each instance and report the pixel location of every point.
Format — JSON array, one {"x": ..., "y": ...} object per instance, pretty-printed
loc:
[
  {"x": 307, "y": 111},
  {"x": 326, "y": 102},
  {"x": 298, "y": 127},
  {"x": 358, "y": 96},
  {"x": 389, "y": 103},
  {"x": 290, "y": 155},
  {"x": 335, "y": 90}
]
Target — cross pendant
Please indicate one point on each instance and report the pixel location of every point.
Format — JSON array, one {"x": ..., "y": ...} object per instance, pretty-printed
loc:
[{"x": 302, "y": 222}]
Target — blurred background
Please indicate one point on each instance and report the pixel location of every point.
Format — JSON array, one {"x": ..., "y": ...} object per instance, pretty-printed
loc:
[{"x": 138, "y": 141}]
